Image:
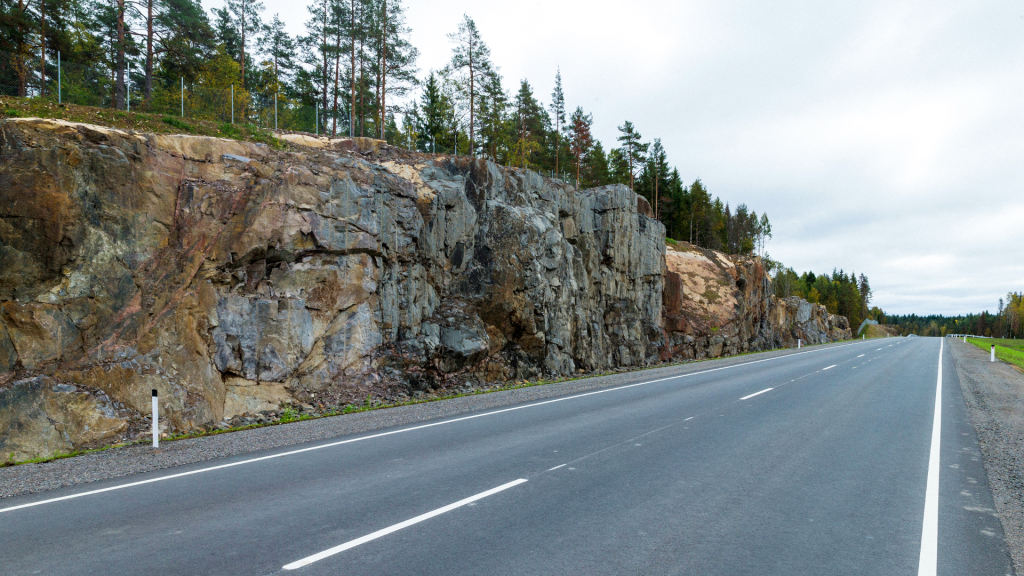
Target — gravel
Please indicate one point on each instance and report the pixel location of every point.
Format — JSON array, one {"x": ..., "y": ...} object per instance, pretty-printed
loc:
[
  {"x": 124, "y": 461},
  {"x": 994, "y": 393}
]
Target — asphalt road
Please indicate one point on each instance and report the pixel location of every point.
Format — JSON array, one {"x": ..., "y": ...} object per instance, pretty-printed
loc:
[{"x": 705, "y": 473}]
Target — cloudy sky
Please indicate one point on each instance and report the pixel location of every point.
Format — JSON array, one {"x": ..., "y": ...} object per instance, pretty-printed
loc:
[{"x": 881, "y": 136}]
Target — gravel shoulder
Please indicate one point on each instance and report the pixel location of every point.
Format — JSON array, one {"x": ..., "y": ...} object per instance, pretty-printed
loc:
[
  {"x": 994, "y": 393},
  {"x": 124, "y": 461}
]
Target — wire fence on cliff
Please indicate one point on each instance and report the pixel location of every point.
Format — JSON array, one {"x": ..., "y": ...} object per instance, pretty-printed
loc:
[{"x": 86, "y": 84}]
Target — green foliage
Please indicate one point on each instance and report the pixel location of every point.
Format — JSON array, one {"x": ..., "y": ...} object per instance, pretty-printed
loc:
[
  {"x": 230, "y": 130},
  {"x": 179, "y": 124}
]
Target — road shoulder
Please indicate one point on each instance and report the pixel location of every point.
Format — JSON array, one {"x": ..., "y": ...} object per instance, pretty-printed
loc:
[{"x": 994, "y": 394}]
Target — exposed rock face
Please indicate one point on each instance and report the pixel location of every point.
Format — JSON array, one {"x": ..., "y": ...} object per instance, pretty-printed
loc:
[
  {"x": 718, "y": 305},
  {"x": 233, "y": 278},
  {"x": 236, "y": 279}
]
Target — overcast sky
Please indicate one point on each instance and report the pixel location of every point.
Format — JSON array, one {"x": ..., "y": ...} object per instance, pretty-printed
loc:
[{"x": 883, "y": 137}]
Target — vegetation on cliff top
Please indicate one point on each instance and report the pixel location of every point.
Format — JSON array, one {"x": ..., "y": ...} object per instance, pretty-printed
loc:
[{"x": 236, "y": 72}]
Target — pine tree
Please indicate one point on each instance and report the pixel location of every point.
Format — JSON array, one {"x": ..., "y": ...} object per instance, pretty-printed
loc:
[
  {"x": 318, "y": 49},
  {"x": 581, "y": 140},
  {"x": 246, "y": 16},
  {"x": 632, "y": 149},
  {"x": 396, "y": 56},
  {"x": 471, "y": 61}
]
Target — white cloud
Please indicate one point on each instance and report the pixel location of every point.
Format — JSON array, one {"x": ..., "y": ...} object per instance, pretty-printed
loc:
[{"x": 880, "y": 136}]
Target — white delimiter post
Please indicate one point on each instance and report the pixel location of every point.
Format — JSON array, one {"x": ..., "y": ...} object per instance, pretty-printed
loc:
[
  {"x": 156, "y": 421},
  {"x": 799, "y": 342},
  {"x": 993, "y": 358}
]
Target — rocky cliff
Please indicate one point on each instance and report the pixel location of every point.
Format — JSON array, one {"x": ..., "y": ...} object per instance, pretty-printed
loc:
[
  {"x": 235, "y": 278},
  {"x": 719, "y": 305}
]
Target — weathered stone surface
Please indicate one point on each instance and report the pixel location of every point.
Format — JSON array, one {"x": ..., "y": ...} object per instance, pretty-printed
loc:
[
  {"x": 40, "y": 416},
  {"x": 723, "y": 305},
  {"x": 234, "y": 278}
]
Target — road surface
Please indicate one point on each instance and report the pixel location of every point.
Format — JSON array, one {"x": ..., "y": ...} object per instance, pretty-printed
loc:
[{"x": 824, "y": 461}]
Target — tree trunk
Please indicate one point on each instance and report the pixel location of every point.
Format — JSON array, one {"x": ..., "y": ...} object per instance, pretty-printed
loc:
[
  {"x": 558, "y": 143},
  {"x": 149, "y": 51},
  {"x": 337, "y": 73},
  {"x": 241, "y": 49},
  {"x": 326, "y": 70},
  {"x": 472, "y": 94},
  {"x": 630, "y": 152},
  {"x": 383, "y": 67},
  {"x": 362, "y": 123},
  {"x": 119, "y": 90},
  {"x": 20, "y": 60},
  {"x": 352, "y": 69},
  {"x": 42, "y": 49}
]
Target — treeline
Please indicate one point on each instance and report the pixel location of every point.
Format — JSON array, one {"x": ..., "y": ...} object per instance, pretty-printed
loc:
[
  {"x": 352, "y": 72},
  {"x": 1007, "y": 322},
  {"x": 846, "y": 295}
]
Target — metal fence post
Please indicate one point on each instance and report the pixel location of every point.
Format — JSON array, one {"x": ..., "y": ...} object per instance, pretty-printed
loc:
[
  {"x": 232, "y": 103},
  {"x": 316, "y": 119},
  {"x": 182, "y": 96},
  {"x": 275, "y": 109},
  {"x": 129, "y": 99},
  {"x": 58, "y": 78}
]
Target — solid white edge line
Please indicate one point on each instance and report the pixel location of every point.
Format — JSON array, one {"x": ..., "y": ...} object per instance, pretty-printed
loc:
[
  {"x": 556, "y": 467},
  {"x": 389, "y": 433},
  {"x": 756, "y": 393},
  {"x": 830, "y": 367},
  {"x": 396, "y": 527},
  {"x": 929, "y": 563}
]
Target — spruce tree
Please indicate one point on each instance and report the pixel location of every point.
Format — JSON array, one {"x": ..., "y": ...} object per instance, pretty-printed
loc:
[{"x": 558, "y": 115}]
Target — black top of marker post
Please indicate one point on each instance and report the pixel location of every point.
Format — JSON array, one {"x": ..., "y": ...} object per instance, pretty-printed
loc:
[{"x": 154, "y": 393}]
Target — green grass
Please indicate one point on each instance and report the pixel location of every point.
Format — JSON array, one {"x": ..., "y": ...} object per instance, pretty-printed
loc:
[
  {"x": 179, "y": 124},
  {"x": 1009, "y": 351},
  {"x": 138, "y": 120}
]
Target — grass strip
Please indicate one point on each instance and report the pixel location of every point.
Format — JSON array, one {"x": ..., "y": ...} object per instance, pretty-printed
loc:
[{"x": 1005, "y": 349}]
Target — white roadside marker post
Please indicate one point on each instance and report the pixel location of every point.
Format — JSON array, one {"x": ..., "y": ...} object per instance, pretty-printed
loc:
[
  {"x": 993, "y": 358},
  {"x": 799, "y": 343},
  {"x": 156, "y": 421}
]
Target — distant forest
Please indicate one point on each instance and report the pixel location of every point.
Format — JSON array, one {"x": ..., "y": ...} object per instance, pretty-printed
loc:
[
  {"x": 1007, "y": 322},
  {"x": 353, "y": 72},
  {"x": 850, "y": 296}
]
